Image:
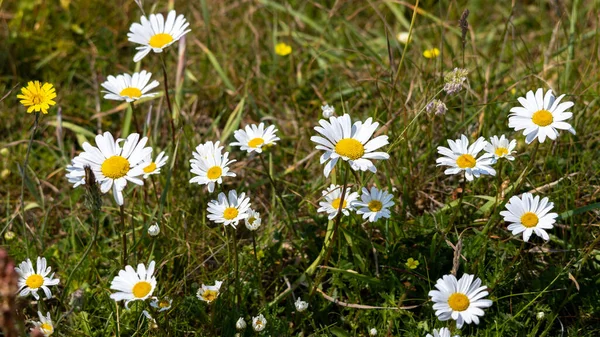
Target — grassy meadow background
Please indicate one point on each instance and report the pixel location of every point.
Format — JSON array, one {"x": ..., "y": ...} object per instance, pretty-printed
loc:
[{"x": 224, "y": 75}]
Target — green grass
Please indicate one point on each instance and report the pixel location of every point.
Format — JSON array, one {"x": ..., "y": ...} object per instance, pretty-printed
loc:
[{"x": 345, "y": 54}]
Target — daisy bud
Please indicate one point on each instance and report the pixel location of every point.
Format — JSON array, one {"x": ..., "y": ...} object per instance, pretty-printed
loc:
[
  {"x": 240, "y": 324},
  {"x": 540, "y": 315},
  {"x": 300, "y": 305},
  {"x": 9, "y": 235},
  {"x": 4, "y": 152},
  {"x": 154, "y": 230},
  {"x": 373, "y": 332},
  {"x": 328, "y": 111}
]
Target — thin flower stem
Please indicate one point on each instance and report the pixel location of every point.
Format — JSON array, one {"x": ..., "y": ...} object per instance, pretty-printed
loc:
[
  {"x": 168, "y": 97},
  {"x": 258, "y": 267},
  {"x": 331, "y": 242},
  {"x": 278, "y": 196},
  {"x": 236, "y": 265},
  {"x": 137, "y": 126},
  {"x": 123, "y": 236},
  {"x": 24, "y": 178}
]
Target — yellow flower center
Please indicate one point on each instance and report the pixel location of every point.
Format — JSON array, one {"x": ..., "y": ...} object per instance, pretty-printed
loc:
[
  {"x": 34, "y": 281},
  {"x": 256, "y": 142},
  {"x": 230, "y": 213},
  {"x": 209, "y": 295},
  {"x": 466, "y": 160},
  {"x": 259, "y": 323},
  {"x": 336, "y": 204},
  {"x": 529, "y": 219},
  {"x": 350, "y": 148},
  {"x": 160, "y": 40},
  {"x": 150, "y": 168},
  {"x": 251, "y": 220},
  {"x": 375, "y": 205},
  {"x": 47, "y": 328},
  {"x": 458, "y": 302},
  {"x": 131, "y": 92},
  {"x": 501, "y": 151},
  {"x": 542, "y": 117},
  {"x": 37, "y": 98},
  {"x": 164, "y": 304},
  {"x": 141, "y": 289},
  {"x": 214, "y": 172},
  {"x": 115, "y": 167}
]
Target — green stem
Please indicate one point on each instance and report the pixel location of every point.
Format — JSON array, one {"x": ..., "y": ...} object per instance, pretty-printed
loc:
[
  {"x": 329, "y": 244},
  {"x": 168, "y": 97},
  {"x": 24, "y": 178},
  {"x": 123, "y": 236},
  {"x": 278, "y": 196},
  {"x": 237, "y": 276}
]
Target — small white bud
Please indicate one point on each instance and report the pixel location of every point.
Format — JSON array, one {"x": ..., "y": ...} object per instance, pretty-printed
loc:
[
  {"x": 240, "y": 324},
  {"x": 373, "y": 332},
  {"x": 540, "y": 315},
  {"x": 153, "y": 230},
  {"x": 328, "y": 111},
  {"x": 300, "y": 305}
]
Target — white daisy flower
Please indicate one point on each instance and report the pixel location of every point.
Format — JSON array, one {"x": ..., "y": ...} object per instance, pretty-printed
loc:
[
  {"x": 134, "y": 285},
  {"x": 300, "y": 305},
  {"x": 129, "y": 88},
  {"x": 349, "y": 142},
  {"x": 541, "y": 116},
  {"x": 31, "y": 280},
  {"x": 209, "y": 293},
  {"x": 332, "y": 201},
  {"x": 252, "y": 138},
  {"x": 153, "y": 167},
  {"x": 253, "y": 221},
  {"x": 240, "y": 324},
  {"x": 462, "y": 157},
  {"x": 501, "y": 147},
  {"x": 529, "y": 215},
  {"x": 460, "y": 300},
  {"x": 113, "y": 165},
  {"x": 229, "y": 210},
  {"x": 155, "y": 34},
  {"x": 45, "y": 324},
  {"x": 211, "y": 169},
  {"x": 162, "y": 305},
  {"x": 443, "y": 332},
  {"x": 374, "y": 204},
  {"x": 259, "y": 323},
  {"x": 203, "y": 151}
]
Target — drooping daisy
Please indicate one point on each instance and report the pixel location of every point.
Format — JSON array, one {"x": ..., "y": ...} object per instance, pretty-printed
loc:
[
  {"x": 240, "y": 324},
  {"x": 253, "y": 221},
  {"x": 253, "y": 137},
  {"x": 374, "y": 204},
  {"x": 155, "y": 34},
  {"x": 134, "y": 285},
  {"x": 31, "y": 280},
  {"x": 163, "y": 304},
  {"x": 45, "y": 324},
  {"x": 211, "y": 169},
  {"x": 529, "y": 214},
  {"x": 113, "y": 165},
  {"x": 300, "y": 305},
  {"x": 332, "y": 201},
  {"x": 153, "y": 167},
  {"x": 209, "y": 293},
  {"x": 37, "y": 96},
  {"x": 460, "y": 300},
  {"x": 259, "y": 323},
  {"x": 501, "y": 147},
  {"x": 349, "y": 142},
  {"x": 129, "y": 88},
  {"x": 462, "y": 157},
  {"x": 230, "y": 209},
  {"x": 541, "y": 116},
  {"x": 443, "y": 332}
]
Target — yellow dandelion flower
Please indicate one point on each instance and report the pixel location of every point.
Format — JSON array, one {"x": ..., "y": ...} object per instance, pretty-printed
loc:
[
  {"x": 412, "y": 263},
  {"x": 431, "y": 53},
  {"x": 37, "y": 97},
  {"x": 283, "y": 49}
]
